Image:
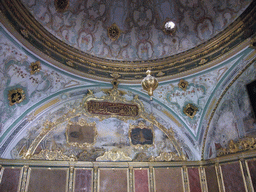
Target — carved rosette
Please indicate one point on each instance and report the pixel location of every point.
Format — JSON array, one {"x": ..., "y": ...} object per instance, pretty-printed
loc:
[
  {"x": 190, "y": 110},
  {"x": 16, "y": 96},
  {"x": 61, "y": 5},
  {"x": 183, "y": 84},
  {"x": 35, "y": 67},
  {"x": 114, "y": 32}
]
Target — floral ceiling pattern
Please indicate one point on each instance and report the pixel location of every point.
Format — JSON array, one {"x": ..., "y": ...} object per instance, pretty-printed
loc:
[{"x": 84, "y": 25}]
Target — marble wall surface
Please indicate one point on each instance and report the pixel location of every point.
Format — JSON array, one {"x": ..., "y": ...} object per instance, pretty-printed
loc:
[
  {"x": 113, "y": 180},
  {"x": 83, "y": 180},
  {"x": 141, "y": 180},
  {"x": 10, "y": 179},
  {"x": 232, "y": 177},
  {"x": 167, "y": 179},
  {"x": 42, "y": 180},
  {"x": 226, "y": 175},
  {"x": 194, "y": 180}
]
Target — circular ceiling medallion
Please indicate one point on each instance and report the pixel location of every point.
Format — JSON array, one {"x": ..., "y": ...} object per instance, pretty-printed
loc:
[
  {"x": 114, "y": 32},
  {"x": 61, "y": 5}
]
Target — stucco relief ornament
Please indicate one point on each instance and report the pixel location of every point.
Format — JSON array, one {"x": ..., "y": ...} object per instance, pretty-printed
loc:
[
  {"x": 16, "y": 96},
  {"x": 183, "y": 84},
  {"x": 114, "y": 32},
  {"x": 190, "y": 110},
  {"x": 61, "y": 5},
  {"x": 114, "y": 155},
  {"x": 35, "y": 67}
]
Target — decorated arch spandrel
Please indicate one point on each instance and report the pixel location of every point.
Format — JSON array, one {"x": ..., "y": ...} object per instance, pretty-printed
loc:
[{"x": 112, "y": 127}]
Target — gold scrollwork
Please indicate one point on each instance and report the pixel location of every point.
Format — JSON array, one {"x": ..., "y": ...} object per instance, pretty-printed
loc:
[
  {"x": 53, "y": 156},
  {"x": 165, "y": 156},
  {"x": 183, "y": 84},
  {"x": 35, "y": 67},
  {"x": 253, "y": 43},
  {"x": 114, "y": 32},
  {"x": 114, "y": 155},
  {"x": 190, "y": 110},
  {"x": 245, "y": 144},
  {"x": 16, "y": 96},
  {"x": 81, "y": 134}
]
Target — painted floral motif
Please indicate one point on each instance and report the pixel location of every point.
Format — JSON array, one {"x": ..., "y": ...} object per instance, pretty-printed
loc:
[{"x": 84, "y": 25}]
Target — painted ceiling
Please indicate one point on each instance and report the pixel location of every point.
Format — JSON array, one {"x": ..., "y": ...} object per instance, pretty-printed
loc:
[
  {"x": 51, "y": 119},
  {"x": 84, "y": 25}
]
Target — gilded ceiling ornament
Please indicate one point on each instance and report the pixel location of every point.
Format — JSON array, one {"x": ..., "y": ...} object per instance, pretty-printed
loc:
[
  {"x": 114, "y": 155},
  {"x": 190, "y": 110},
  {"x": 55, "y": 155},
  {"x": 149, "y": 83},
  {"x": 141, "y": 135},
  {"x": 245, "y": 144},
  {"x": 24, "y": 32},
  {"x": 253, "y": 43},
  {"x": 16, "y": 96},
  {"x": 165, "y": 156},
  {"x": 183, "y": 84},
  {"x": 61, "y": 5},
  {"x": 114, "y": 32},
  {"x": 202, "y": 61},
  {"x": 81, "y": 134},
  {"x": 115, "y": 75},
  {"x": 35, "y": 67}
]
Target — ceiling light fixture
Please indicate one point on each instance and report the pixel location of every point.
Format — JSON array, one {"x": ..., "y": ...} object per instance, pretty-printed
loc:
[{"x": 170, "y": 27}]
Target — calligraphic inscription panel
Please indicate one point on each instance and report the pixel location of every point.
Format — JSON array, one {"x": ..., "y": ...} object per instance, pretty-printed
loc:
[
  {"x": 108, "y": 108},
  {"x": 141, "y": 136},
  {"x": 81, "y": 134},
  {"x": 10, "y": 179}
]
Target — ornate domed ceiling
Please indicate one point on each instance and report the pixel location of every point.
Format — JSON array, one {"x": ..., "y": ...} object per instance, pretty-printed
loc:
[
  {"x": 84, "y": 25},
  {"x": 102, "y": 38}
]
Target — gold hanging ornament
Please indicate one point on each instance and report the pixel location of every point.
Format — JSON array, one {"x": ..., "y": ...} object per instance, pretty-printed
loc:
[{"x": 149, "y": 83}]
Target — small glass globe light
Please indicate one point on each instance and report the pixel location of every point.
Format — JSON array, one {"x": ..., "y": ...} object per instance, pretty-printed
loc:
[{"x": 170, "y": 28}]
